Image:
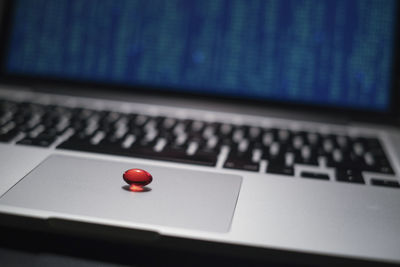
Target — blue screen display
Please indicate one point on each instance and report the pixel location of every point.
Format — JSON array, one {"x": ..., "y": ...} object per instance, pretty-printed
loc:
[{"x": 334, "y": 53}]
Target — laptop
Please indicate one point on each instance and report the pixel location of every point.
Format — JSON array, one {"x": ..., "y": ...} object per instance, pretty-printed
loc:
[{"x": 271, "y": 126}]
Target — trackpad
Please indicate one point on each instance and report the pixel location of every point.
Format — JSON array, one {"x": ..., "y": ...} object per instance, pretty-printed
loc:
[{"x": 95, "y": 188}]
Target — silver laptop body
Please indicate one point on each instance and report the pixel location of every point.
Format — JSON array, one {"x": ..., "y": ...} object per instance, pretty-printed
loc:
[{"x": 312, "y": 202}]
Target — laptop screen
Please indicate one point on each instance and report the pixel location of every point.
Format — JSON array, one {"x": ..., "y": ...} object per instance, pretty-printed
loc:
[{"x": 329, "y": 53}]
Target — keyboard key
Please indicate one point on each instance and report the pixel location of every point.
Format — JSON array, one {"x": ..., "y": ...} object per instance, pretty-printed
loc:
[
  {"x": 280, "y": 168},
  {"x": 78, "y": 143},
  {"x": 274, "y": 151},
  {"x": 342, "y": 141},
  {"x": 241, "y": 164},
  {"x": 306, "y": 156},
  {"x": 8, "y": 136},
  {"x": 345, "y": 160},
  {"x": 37, "y": 142},
  {"x": 350, "y": 176},
  {"x": 385, "y": 183},
  {"x": 255, "y": 134},
  {"x": 26, "y": 141},
  {"x": 206, "y": 159},
  {"x": 381, "y": 165},
  {"x": 225, "y": 129},
  {"x": 240, "y": 157},
  {"x": 313, "y": 139},
  {"x": 313, "y": 175}
]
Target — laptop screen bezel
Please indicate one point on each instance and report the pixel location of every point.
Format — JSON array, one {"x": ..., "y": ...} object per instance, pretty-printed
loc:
[{"x": 390, "y": 116}]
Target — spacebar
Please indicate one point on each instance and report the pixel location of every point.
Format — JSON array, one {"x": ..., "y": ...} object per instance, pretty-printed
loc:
[
  {"x": 148, "y": 153},
  {"x": 182, "y": 157}
]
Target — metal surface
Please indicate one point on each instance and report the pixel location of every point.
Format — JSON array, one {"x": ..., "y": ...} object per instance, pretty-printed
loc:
[
  {"x": 295, "y": 214},
  {"x": 94, "y": 188}
]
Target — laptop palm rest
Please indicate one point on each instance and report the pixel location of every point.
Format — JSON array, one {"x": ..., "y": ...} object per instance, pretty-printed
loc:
[{"x": 94, "y": 188}]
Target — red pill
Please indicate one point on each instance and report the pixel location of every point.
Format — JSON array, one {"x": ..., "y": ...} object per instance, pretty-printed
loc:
[{"x": 137, "y": 178}]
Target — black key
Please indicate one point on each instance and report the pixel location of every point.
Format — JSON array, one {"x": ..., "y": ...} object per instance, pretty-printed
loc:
[
  {"x": 240, "y": 132},
  {"x": 58, "y": 110},
  {"x": 48, "y": 133},
  {"x": 83, "y": 114},
  {"x": 196, "y": 136},
  {"x": 46, "y": 123},
  {"x": 287, "y": 148},
  {"x": 212, "y": 150},
  {"x": 382, "y": 167},
  {"x": 381, "y": 163},
  {"x": 76, "y": 144},
  {"x": 274, "y": 152},
  {"x": 327, "y": 144},
  {"x": 236, "y": 153},
  {"x": 7, "y": 137},
  {"x": 350, "y": 176},
  {"x": 78, "y": 139},
  {"x": 6, "y": 105},
  {"x": 44, "y": 142},
  {"x": 225, "y": 130},
  {"x": 167, "y": 123},
  {"x": 387, "y": 169},
  {"x": 306, "y": 156},
  {"x": 205, "y": 159},
  {"x": 175, "y": 146},
  {"x": 26, "y": 141},
  {"x": 36, "y": 142},
  {"x": 241, "y": 164},
  {"x": 349, "y": 161},
  {"x": 186, "y": 124},
  {"x": 312, "y": 139},
  {"x": 78, "y": 125},
  {"x": 45, "y": 138},
  {"x": 105, "y": 147},
  {"x": 373, "y": 144},
  {"x": 280, "y": 168},
  {"x": 256, "y": 145},
  {"x": 21, "y": 118},
  {"x": 225, "y": 141},
  {"x": 175, "y": 150},
  {"x": 255, "y": 135},
  {"x": 167, "y": 135},
  {"x": 113, "y": 138},
  {"x": 307, "y": 161},
  {"x": 107, "y": 123},
  {"x": 114, "y": 144},
  {"x": 283, "y": 136},
  {"x": 144, "y": 142},
  {"x": 51, "y": 117},
  {"x": 196, "y": 126},
  {"x": 386, "y": 183},
  {"x": 138, "y": 132},
  {"x": 112, "y": 116},
  {"x": 313, "y": 175},
  {"x": 343, "y": 142}
]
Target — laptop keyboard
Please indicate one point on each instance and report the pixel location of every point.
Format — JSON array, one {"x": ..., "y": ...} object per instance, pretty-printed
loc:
[{"x": 193, "y": 141}]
